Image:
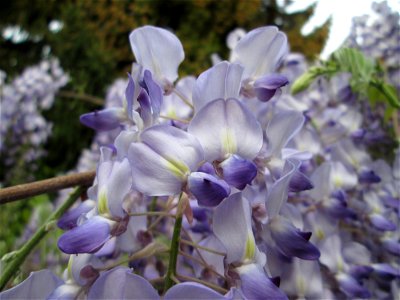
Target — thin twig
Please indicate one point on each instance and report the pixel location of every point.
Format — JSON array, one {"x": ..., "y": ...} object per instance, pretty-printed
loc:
[
  {"x": 201, "y": 247},
  {"x": 84, "y": 97},
  {"x": 210, "y": 285},
  {"x": 26, "y": 190},
  {"x": 15, "y": 259}
]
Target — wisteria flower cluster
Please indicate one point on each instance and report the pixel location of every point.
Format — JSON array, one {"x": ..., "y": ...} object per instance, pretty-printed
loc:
[
  {"x": 24, "y": 130},
  {"x": 219, "y": 187},
  {"x": 378, "y": 37}
]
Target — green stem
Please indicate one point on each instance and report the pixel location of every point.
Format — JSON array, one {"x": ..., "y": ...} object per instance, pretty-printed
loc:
[
  {"x": 18, "y": 257},
  {"x": 174, "y": 249}
]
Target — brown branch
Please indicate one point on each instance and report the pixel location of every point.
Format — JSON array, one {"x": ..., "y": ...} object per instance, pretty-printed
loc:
[
  {"x": 22, "y": 191},
  {"x": 83, "y": 97}
]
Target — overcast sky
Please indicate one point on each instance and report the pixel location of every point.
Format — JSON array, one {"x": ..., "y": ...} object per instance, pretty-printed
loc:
[{"x": 341, "y": 11}]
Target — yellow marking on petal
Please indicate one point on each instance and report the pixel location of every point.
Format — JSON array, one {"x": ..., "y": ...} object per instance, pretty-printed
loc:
[
  {"x": 178, "y": 168},
  {"x": 102, "y": 205},
  {"x": 320, "y": 234},
  {"x": 337, "y": 181},
  {"x": 69, "y": 267},
  {"x": 250, "y": 250},
  {"x": 228, "y": 141}
]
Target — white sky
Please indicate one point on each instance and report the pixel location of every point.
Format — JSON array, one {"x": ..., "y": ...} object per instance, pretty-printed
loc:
[{"x": 341, "y": 11}]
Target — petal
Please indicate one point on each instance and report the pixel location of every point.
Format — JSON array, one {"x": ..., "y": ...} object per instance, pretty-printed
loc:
[
  {"x": 381, "y": 223},
  {"x": 260, "y": 51},
  {"x": 157, "y": 50},
  {"x": 65, "y": 291},
  {"x": 278, "y": 192},
  {"x": 191, "y": 290},
  {"x": 351, "y": 287},
  {"x": 39, "y": 285},
  {"x": 266, "y": 86},
  {"x": 86, "y": 238},
  {"x": 256, "y": 285},
  {"x": 281, "y": 129},
  {"x": 69, "y": 219},
  {"x": 234, "y": 229},
  {"x": 300, "y": 182},
  {"x": 369, "y": 177},
  {"x": 152, "y": 174},
  {"x": 208, "y": 190},
  {"x": 118, "y": 185},
  {"x": 120, "y": 283},
  {"x": 291, "y": 241},
  {"x": 219, "y": 82},
  {"x": 235, "y": 130},
  {"x": 104, "y": 120},
  {"x": 154, "y": 91},
  {"x": 238, "y": 172},
  {"x": 175, "y": 145}
]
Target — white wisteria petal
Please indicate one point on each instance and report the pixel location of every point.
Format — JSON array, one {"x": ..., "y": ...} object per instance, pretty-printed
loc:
[
  {"x": 278, "y": 192},
  {"x": 219, "y": 82},
  {"x": 226, "y": 127},
  {"x": 281, "y": 129},
  {"x": 260, "y": 51},
  {"x": 175, "y": 145},
  {"x": 234, "y": 230},
  {"x": 151, "y": 175},
  {"x": 157, "y": 50}
]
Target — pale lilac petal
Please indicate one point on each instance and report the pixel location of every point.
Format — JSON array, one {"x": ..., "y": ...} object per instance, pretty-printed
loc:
[
  {"x": 157, "y": 50},
  {"x": 104, "y": 120},
  {"x": 233, "y": 229},
  {"x": 129, "y": 95},
  {"x": 321, "y": 179},
  {"x": 260, "y": 51},
  {"x": 278, "y": 192},
  {"x": 191, "y": 290},
  {"x": 150, "y": 172},
  {"x": 86, "y": 238},
  {"x": 78, "y": 262},
  {"x": 382, "y": 223},
  {"x": 118, "y": 185},
  {"x": 123, "y": 141},
  {"x": 256, "y": 285},
  {"x": 154, "y": 91},
  {"x": 281, "y": 129},
  {"x": 39, "y": 285},
  {"x": 213, "y": 260},
  {"x": 64, "y": 292},
  {"x": 235, "y": 130},
  {"x": 174, "y": 145},
  {"x": 219, "y": 82},
  {"x": 208, "y": 190},
  {"x": 121, "y": 283}
]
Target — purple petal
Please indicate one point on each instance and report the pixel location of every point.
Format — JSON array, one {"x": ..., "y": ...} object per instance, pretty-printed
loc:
[
  {"x": 86, "y": 238},
  {"x": 351, "y": 287},
  {"x": 256, "y": 285},
  {"x": 291, "y": 241},
  {"x": 120, "y": 283},
  {"x": 103, "y": 120},
  {"x": 381, "y": 223},
  {"x": 69, "y": 219},
  {"x": 369, "y": 177},
  {"x": 191, "y": 290},
  {"x": 386, "y": 271},
  {"x": 237, "y": 171},
  {"x": 208, "y": 190},
  {"x": 207, "y": 168},
  {"x": 392, "y": 246},
  {"x": 154, "y": 91},
  {"x": 300, "y": 182},
  {"x": 39, "y": 285},
  {"x": 266, "y": 86}
]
